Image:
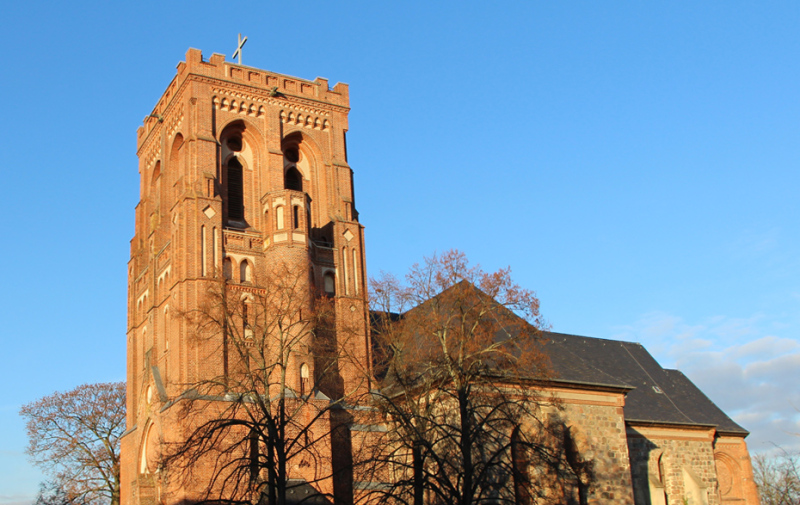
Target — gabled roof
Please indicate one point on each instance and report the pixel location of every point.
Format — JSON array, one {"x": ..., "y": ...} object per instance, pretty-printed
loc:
[
  {"x": 658, "y": 396},
  {"x": 654, "y": 395}
]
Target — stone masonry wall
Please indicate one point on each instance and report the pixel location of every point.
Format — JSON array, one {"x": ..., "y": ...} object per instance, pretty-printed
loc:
[{"x": 673, "y": 463}]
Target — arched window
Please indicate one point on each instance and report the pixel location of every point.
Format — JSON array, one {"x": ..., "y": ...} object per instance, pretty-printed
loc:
[
  {"x": 293, "y": 179},
  {"x": 147, "y": 459},
  {"x": 166, "y": 329},
  {"x": 254, "y": 456},
  {"x": 344, "y": 269},
  {"x": 214, "y": 247},
  {"x": 247, "y": 330},
  {"x": 203, "y": 250},
  {"x": 227, "y": 268},
  {"x": 355, "y": 269},
  {"x": 329, "y": 284},
  {"x": 279, "y": 217},
  {"x": 244, "y": 271},
  {"x": 520, "y": 472},
  {"x": 235, "y": 189},
  {"x": 291, "y": 154},
  {"x": 304, "y": 380}
]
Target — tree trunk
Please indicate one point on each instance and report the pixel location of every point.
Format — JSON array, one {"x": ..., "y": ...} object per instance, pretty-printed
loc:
[
  {"x": 418, "y": 477},
  {"x": 466, "y": 446},
  {"x": 271, "y": 471}
]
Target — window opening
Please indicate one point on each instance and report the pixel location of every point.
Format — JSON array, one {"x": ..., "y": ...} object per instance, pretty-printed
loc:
[
  {"x": 293, "y": 179},
  {"x": 214, "y": 240},
  {"x": 235, "y": 185},
  {"x": 296, "y": 217},
  {"x": 254, "y": 456},
  {"x": 244, "y": 271},
  {"x": 329, "y": 284},
  {"x": 279, "y": 217},
  {"x": 292, "y": 155},
  {"x": 344, "y": 268},
  {"x": 202, "y": 251},
  {"x": 355, "y": 269},
  {"x": 520, "y": 473},
  {"x": 304, "y": 389},
  {"x": 234, "y": 144}
]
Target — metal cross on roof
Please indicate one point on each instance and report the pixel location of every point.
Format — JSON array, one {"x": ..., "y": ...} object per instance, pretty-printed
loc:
[{"x": 238, "y": 52}]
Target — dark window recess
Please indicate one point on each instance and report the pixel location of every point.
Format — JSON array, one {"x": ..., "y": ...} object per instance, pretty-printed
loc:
[
  {"x": 293, "y": 179},
  {"x": 296, "y": 217},
  {"x": 235, "y": 185},
  {"x": 235, "y": 144},
  {"x": 292, "y": 155}
]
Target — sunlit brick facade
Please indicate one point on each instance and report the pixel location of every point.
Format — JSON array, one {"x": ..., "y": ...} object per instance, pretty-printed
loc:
[{"x": 242, "y": 169}]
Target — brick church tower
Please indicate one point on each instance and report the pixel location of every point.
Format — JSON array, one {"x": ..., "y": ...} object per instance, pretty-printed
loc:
[{"x": 242, "y": 171}]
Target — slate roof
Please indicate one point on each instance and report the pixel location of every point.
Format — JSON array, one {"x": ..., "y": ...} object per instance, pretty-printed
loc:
[{"x": 656, "y": 395}]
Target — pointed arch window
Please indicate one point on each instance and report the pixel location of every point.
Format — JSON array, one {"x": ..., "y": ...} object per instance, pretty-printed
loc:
[
  {"x": 244, "y": 271},
  {"x": 279, "y": 217},
  {"x": 235, "y": 189},
  {"x": 329, "y": 284},
  {"x": 304, "y": 380},
  {"x": 293, "y": 179},
  {"x": 520, "y": 473}
]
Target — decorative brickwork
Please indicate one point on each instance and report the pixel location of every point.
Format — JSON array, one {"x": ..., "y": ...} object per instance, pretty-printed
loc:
[
  {"x": 241, "y": 170},
  {"x": 198, "y": 219}
]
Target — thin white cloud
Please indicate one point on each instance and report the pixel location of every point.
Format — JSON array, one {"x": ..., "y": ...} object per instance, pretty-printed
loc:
[
  {"x": 16, "y": 499},
  {"x": 749, "y": 373},
  {"x": 755, "y": 243}
]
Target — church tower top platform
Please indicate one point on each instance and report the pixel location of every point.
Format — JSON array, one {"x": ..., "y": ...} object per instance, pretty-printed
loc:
[{"x": 254, "y": 87}]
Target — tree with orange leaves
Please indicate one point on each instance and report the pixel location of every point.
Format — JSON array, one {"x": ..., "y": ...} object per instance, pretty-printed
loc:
[
  {"x": 74, "y": 437},
  {"x": 456, "y": 347}
]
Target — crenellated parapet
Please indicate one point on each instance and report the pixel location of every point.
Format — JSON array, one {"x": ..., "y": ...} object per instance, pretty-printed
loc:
[{"x": 246, "y": 90}]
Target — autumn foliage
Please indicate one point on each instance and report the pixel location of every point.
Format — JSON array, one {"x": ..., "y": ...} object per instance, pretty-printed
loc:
[
  {"x": 74, "y": 437},
  {"x": 455, "y": 348}
]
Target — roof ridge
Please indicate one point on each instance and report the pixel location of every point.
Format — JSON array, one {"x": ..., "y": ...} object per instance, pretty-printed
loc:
[{"x": 593, "y": 338}]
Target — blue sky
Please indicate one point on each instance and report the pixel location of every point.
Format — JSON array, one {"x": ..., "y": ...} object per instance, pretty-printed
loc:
[{"x": 635, "y": 163}]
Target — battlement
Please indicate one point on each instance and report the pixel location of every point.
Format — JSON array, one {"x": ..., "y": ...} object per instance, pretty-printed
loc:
[{"x": 262, "y": 82}]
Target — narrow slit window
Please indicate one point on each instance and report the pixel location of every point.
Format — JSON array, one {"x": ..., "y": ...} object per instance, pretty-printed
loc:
[
  {"x": 355, "y": 269},
  {"x": 304, "y": 379},
  {"x": 214, "y": 251},
  {"x": 344, "y": 268},
  {"x": 296, "y": 217},
  {"x": 235, "y": 186},
  {"x": 202, "y": 251}
]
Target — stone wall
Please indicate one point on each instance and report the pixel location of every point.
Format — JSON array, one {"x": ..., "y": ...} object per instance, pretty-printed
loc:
[
  {"x": 673, "y": 465},
  {"x": 596, "y": 424}
]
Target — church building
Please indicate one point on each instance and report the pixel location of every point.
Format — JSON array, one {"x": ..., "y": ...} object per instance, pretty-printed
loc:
[{"x": 242, "y": 170}]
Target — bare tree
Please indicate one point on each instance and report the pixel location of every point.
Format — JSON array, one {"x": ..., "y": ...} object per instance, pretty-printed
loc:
[
  {"x": 260, "y": 424},
  {"x": 458, "y": 349},
  {"x": 74, "y": 437},
  {"x": 778, "y": 478}
]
